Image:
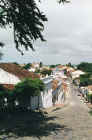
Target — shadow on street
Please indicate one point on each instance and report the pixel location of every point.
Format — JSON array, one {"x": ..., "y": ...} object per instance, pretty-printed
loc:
[{"x": 32, "y": 124}]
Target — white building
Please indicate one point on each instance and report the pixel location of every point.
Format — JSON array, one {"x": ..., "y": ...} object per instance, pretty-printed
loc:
[
  {"x": 12, "y": 74},
  {"x": 32, "y": 69},
  {"x": 48, "y": 97},
  {"x": 36, "y": 65},
  {"x": 76, "y": 74},
  {"x": 8, "y": 78}
]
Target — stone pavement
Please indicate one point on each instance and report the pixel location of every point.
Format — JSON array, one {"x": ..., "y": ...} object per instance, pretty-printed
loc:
[
  {"x": 76, "y": 120},
  {"x": 71, "y": 123}
]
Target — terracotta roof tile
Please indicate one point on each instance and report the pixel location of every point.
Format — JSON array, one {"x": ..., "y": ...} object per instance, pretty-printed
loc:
[
  {"x": 17, "y": 71},
  {"x": 60, "y": 66}
]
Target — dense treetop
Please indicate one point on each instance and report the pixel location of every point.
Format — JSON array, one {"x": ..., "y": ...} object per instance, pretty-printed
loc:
[
  {"x": 85, "y": 79},
  {"x": 86, "y": 67}
]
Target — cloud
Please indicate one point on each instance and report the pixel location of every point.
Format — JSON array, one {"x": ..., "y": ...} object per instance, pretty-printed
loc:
[{"x": 68, "y": 33}]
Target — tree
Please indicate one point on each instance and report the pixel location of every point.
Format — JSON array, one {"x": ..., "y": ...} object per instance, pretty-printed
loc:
[
  {"x": 26, "y": 19},
  {"x": 69, "y": 64},
  {"x": 86, "y": 67},
  {"x": 41, "y": 64},
  {"x": 27, "y": 66},
  {"x": 63, "y": 1},
  {"x": 85, "y": 80},
  {"x": 2, "y": 96},
  {"x": 46, "y": 72},
  {"x": 52, "y": 66},
  {"x": 37, "y": 71},
  {"x": 27, "y": 88},
  {"x": 15, "y": 63},
  {"x": 6, "y": 99}
]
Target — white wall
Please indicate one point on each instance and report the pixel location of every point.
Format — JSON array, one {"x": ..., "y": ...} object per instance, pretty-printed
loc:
[
  {"x": 32, "y": 69},
  {"x": 43, "y": 101},
  {"x": 7, "y": 78},
  {"x": 61, "y": 98},
  {"x": 46, "y": 99}
]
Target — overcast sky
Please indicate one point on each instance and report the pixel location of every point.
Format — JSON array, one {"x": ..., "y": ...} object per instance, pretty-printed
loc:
[{"x": 68, "y": 34}]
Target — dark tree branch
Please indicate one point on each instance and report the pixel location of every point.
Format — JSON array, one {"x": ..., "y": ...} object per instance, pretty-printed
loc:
[{"x": 27, "y": 20}]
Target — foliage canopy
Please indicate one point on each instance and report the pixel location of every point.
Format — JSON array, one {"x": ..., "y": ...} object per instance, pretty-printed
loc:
[
  {"x": 26, "y": 89},
  {"x": 27, "y": 66},
  {"x": 29, "y": 87},
  {"x": 22, "y": 93},
  {"x": 86, "y": 67},
  {"x": 46, "y": 72},
  {"x": 86, "y": 79}
]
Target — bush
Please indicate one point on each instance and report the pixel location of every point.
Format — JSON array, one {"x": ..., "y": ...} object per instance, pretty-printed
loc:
[
  {"x": 22, "y": 93},
  {"x": 86, "y": 67},
  {"x": 37, "y": 71},
  {"x": 27, "y": 88},
  {"x": 6, "y": 95},
  {"x": 85, "y": 80},
  {"x": 27, "y": 66},
  {"x": 89, "y": 97},
  {"x": 46, "y": 72}
]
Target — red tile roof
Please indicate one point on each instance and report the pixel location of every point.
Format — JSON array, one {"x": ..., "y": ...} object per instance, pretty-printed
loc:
[
  {"x": 60, "y": 66},
  {"x": 18, "y": 71}
]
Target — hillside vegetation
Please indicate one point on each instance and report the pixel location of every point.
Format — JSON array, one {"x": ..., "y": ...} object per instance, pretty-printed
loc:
[{"x": 85, "y": 79}]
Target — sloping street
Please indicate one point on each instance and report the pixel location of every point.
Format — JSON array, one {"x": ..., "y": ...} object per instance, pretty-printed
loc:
[
  {"x": 72, "y": 122},
  {"x": 75, "y": 118}
]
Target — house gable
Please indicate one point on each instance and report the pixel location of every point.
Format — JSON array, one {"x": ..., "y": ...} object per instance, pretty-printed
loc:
[{"x": 7, "y": 78}]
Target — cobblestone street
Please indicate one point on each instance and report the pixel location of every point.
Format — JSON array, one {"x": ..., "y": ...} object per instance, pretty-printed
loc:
[
  {"x": 77, "y": 121},
  {"x": 75, "y": 118},
  {"x": 72, "y": 122}
]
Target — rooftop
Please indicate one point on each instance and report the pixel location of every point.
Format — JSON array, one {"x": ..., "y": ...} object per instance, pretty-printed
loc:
[{"x": 17, "y": 71}]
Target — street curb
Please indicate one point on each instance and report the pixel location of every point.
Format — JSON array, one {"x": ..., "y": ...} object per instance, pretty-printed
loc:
[{"x": 55, "y": 108}]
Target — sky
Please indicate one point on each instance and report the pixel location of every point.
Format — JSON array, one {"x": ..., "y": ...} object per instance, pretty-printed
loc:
[{"x": 68, "y": 33}]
